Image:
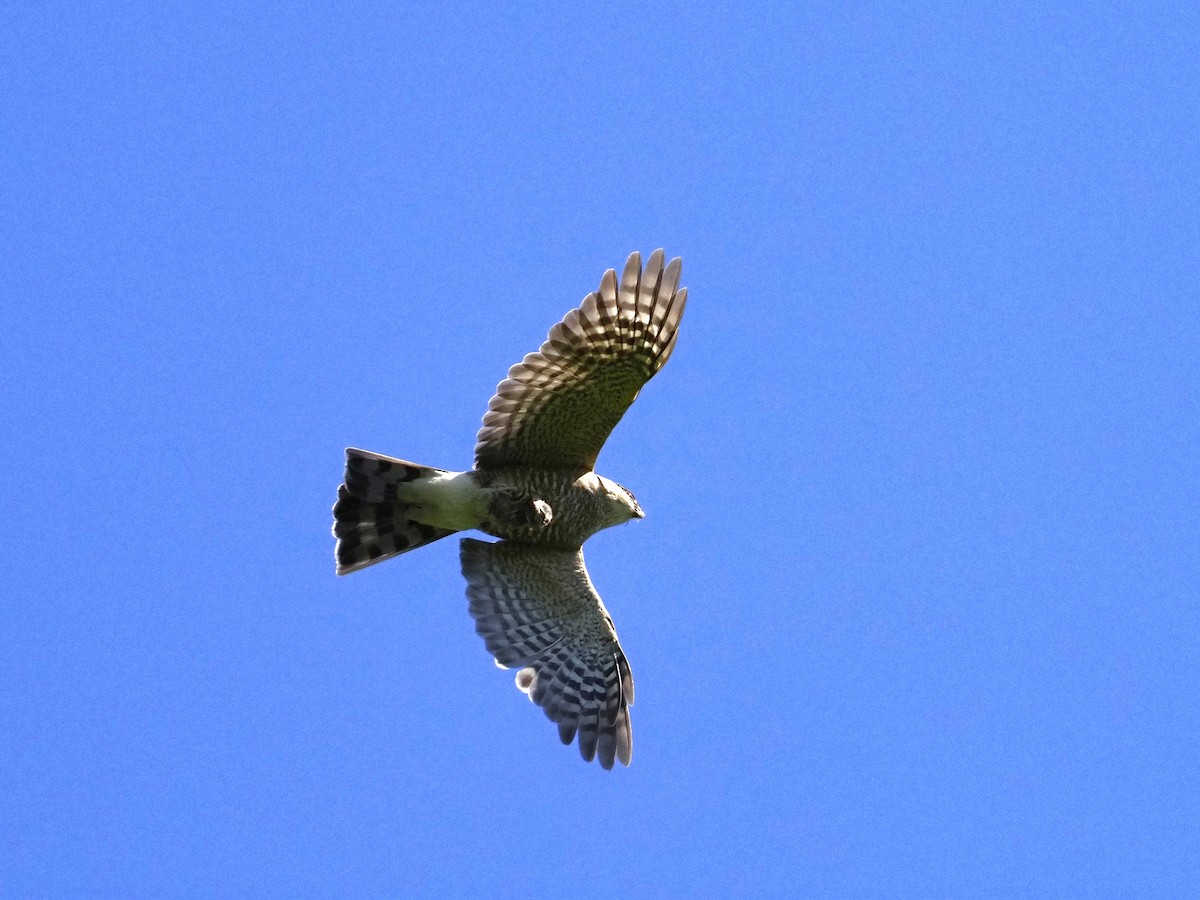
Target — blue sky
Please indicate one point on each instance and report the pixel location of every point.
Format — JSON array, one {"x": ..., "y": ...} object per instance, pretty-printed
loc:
[{"x": 913, "y": 610}]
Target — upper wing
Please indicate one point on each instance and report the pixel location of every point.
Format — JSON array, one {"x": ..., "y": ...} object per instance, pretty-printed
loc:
[
  {"x": 558, "y": 405},
  {"x": 536, "y": 608}
]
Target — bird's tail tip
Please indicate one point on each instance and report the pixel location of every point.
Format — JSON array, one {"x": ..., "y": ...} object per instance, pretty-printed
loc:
[{"x": 370, "y": 520}]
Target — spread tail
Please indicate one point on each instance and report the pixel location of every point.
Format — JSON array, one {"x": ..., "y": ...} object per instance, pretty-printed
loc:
[{"x": 370, "y": 521}]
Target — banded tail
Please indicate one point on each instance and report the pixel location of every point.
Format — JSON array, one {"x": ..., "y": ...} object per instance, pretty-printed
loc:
[{"x": 371, "y": 520}]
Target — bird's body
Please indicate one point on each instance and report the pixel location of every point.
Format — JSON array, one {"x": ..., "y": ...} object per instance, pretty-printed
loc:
[
  {"x": 552, "y": 507},
  {"x": 580, "y": 503},
  {"x": 534, "y": 487}
]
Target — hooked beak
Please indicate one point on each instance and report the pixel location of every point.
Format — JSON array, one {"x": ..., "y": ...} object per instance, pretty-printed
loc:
[{"x": 638, "y": 512}]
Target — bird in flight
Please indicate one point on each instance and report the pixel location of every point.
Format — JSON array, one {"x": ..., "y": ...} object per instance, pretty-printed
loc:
[{"x": 534, "y": 487}]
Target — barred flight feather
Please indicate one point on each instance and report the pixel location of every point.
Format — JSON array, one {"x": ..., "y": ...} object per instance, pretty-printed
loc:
[
  {"x": 558, "y": 405},
  {"x": 536, "y": 608}
]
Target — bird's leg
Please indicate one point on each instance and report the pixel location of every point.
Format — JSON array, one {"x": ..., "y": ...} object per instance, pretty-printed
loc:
[{"x": 519, "y": 509}]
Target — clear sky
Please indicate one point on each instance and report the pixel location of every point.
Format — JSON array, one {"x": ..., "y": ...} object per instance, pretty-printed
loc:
[{"x": 913, "y": 611}]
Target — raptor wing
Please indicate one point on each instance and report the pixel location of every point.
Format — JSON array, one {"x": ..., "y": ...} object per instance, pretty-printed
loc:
[
  {"x": 557, "y": 406},
  {"x": 536, "y": 609}
]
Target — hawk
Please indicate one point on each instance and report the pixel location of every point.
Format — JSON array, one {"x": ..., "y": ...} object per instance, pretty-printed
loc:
[{"x": 534, "y": 487}]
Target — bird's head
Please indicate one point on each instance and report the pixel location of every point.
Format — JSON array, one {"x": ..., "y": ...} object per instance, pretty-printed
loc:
[{"x": 620, "y": 503}]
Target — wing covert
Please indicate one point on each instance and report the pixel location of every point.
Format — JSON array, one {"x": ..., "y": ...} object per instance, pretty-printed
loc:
[{"x": 558, "y": 405}]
